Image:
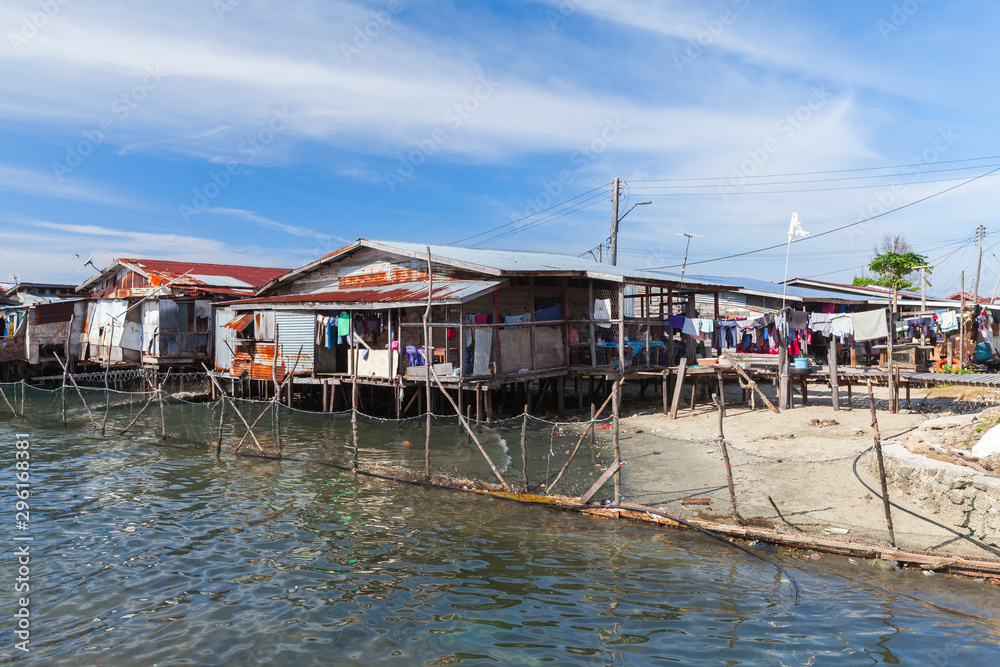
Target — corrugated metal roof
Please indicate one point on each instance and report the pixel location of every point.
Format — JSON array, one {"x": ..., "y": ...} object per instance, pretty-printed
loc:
[
  {"x": 493, "y": 262},
  {"x": 215, "y": 278},
  {"x": 516, "y": 261},
  {"x": 240, "y": 322},
  {"x": 454, "y": 291},
  {"x": 766, "y": 287}
]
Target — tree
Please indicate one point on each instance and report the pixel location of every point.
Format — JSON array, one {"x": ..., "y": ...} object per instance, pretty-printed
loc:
[
  {"x": 893, "y": 269},
  {"x": 890, "y": 245}
]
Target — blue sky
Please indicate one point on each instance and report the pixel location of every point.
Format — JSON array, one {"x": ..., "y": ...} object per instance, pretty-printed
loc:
[{"x": 266, "y": 133}]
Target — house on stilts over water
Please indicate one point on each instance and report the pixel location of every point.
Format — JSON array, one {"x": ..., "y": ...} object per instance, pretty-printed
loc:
[{"x": 500, "y": 323}]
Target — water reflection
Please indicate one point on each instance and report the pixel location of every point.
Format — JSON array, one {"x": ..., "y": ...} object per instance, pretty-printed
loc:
[{"x": 171, "y": 556}]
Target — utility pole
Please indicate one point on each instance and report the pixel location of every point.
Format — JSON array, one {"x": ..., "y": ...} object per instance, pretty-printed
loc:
[
  {"x": 615, "y": 192},
  {"x": 979, "y": 264},
  {"x": 923, "y": 286}
]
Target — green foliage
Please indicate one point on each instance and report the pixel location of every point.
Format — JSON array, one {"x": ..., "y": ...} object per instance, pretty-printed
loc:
[
  {"x": 891, "y": 268},
  {"x": 862, "y": 281}
]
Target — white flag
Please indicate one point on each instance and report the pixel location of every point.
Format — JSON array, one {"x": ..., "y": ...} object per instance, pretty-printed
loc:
[{"x": 795, "y": 229}]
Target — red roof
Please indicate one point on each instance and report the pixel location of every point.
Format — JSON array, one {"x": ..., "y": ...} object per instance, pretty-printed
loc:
[
  {"x": 213, "y": 275},
  {"x": 455, "y": 290}
]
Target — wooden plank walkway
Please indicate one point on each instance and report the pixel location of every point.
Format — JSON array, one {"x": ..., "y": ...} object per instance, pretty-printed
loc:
[{"x": 989, "y": 381}]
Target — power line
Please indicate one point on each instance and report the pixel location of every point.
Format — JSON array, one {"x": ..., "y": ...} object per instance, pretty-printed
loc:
[
  {"x": 817, "y": 173},
  {"x": 514, "y": 222},
  {"x": 579, "y": 206},
  {"x": 657, "y": 190},
  {"x": 852, "y": 224}
]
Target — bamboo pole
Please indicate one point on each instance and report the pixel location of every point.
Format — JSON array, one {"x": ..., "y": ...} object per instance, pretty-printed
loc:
[
  {"x": 881, "y": 467},
  {"x": 472, "y": 433},
  {"x": 589, "y": 429},
  {"x": 78, "y": 392}
]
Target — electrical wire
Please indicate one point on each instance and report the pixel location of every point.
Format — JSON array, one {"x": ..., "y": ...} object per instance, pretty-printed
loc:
[
  {"x": 655, "y": 190},
  {"x": 514, "y": 222},
  {"x": 841, "y": 227},
  {"x": 818, "y": 173},
  {"x": 579, "y": 206}
]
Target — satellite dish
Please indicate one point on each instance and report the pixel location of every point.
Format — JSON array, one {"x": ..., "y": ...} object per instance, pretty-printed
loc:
[{"x": 90, "y": 261}]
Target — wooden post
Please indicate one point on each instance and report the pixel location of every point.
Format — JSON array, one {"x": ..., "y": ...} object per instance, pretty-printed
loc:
[
  {"x": 669, "y": 329},
  {"x": 428, "y": 364},
  {"x": 531, "y": 318},
  {"x": 678, "y": 388},
  {"x": 621, "y": 333},
  {"x": 722, "y": 396},
  {"x": 469, "y": 429},
  {"x": 590, "y": 428},
  {"x": 560, "y": 395},
  {"x": 593, "y": 416},
  {"x": 69, "y": 334},
  {"x": 665, "y": 381},
  {"x": 784, "y": 388},
  {"x": 961, "y": 328},
  {"x": 222, "y": 418},
  {"x": 721, "y": 405},
  {"x": 75, "y": 386},
  {"x": 881, "y": 467},
  {"x": 834, "y": 387},
  {"x": 524, "y": 448},
  {"x": 616, "y": 409}
]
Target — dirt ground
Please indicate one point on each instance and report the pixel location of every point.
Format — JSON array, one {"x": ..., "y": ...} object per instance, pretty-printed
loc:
[{"x": 795, "y": 433}]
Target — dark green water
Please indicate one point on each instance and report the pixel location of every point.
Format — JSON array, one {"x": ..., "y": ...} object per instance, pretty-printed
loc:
[{"x": 150, "y": 555}]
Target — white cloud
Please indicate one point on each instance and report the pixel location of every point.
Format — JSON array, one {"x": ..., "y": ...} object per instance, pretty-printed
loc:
[{"x": 33, "y": 182}]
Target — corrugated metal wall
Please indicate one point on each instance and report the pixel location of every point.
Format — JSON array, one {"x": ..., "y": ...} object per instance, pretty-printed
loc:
[
  {"x": 296, "y": 330},
  {"x": 224, "y": 335}
]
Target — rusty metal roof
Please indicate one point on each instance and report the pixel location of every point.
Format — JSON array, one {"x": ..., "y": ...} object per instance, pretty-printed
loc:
[
  {"x": 223, "y": 279},
  {"x": 454, "y": 291},
  {"x": 240, "y": 322}
]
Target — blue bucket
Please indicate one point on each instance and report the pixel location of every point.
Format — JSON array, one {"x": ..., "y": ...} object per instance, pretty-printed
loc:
[{"x": 800, "y": 362}]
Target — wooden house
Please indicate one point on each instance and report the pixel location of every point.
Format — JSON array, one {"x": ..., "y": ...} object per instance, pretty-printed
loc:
[
  {"x": 495, "y": 317},
  {"x": 159, "y": 312}
]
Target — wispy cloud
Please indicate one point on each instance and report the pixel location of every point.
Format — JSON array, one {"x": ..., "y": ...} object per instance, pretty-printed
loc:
[
  {"x": 44, "y": 184},
  {"x": 273, "y": 224}
]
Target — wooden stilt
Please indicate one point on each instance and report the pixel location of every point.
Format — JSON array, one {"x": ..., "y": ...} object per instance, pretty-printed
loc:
[
  {"x": 881, "y": 467},
  {"x": 678, "y": 388},
  {"x": 590, "y": 429},
  {"x": 721, "y": 405},
  {"x": 78, "y": 392}
]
